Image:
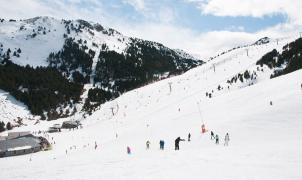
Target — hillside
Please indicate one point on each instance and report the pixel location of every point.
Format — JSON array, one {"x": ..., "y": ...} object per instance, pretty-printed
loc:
[
  {"x": 265, "y": 139},
  {"x": 97, "y": 59}
]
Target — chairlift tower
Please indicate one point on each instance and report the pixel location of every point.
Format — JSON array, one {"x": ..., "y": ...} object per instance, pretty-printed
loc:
[
  {"x": 116, "y": 123},
  {"x": 112, "y": 111},
  {"x": 170, "y": 87}
]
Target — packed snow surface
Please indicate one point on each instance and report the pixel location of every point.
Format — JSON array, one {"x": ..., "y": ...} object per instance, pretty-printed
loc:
[
  {"x": 11, "y": 109},
  {"x": 265, "y": 140}
]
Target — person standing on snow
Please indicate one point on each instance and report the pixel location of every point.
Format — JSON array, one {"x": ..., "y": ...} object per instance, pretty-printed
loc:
[
  {"x": 177, "y": 140},
  {"x": 128, "y": 150},
  {"x": 161, "y": 144},
  {"x": 212, "y": 135},
  {"x": 148, "y": 144},
  {"x": 226, "y": 139},
  {"x": 189, "y": 137},
  {"x": 95, "y": 145},
  {"x": 217, "y": 139},
  {"x": 203, "y": 128}
]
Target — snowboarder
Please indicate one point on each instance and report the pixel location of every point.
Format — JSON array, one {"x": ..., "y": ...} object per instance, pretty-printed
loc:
[
  {"x": 217, "y": 139},
  {"x": 148, "y": 144},
  {"x": 271, "y": 103},
  {"x": 161, "y": 144},
  {"x": 226, "y": 139},
  {"x": 189, "y": 137},
  {"x": 128, "y": 150},
  {"x": 212, "y": 135},
  {"x": 177, "y": 140}
]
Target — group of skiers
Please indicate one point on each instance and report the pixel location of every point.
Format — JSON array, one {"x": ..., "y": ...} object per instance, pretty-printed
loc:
[
  {"x": 216, "y": 138},
  {"x": 178, "y": 139}
]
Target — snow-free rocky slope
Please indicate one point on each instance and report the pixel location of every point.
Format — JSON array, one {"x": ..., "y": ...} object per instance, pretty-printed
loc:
[
  {"x": 89, "y": 57},
  {"x": 265, "y": 139}
]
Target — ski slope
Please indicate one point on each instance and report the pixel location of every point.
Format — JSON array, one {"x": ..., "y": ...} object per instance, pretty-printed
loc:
[
  {"x": 265, "y": 140},
  {"x": 11, "y": 110},
  {"x": 35, "y": 50}
]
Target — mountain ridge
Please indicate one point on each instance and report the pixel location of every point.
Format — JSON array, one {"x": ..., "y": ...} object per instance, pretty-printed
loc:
[{"x": 88, "y": 53}]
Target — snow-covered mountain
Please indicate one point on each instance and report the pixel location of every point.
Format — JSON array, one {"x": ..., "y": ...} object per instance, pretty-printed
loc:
[
  {"x": 102, "y": 60},
  {"x": 263, "y": 120},
  {"x": 264, "y": 40},
  {"x": 40, "y": 36}
]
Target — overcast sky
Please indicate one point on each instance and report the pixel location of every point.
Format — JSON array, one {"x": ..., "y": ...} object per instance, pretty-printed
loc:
[{"x": 202, "y": 27}]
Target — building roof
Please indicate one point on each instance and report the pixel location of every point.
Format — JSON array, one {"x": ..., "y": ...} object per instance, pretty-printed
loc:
[
  {"x": 18, "y": 143},
  {"x": 71, "y": 122},
  {"x": 13, "y": 135}
]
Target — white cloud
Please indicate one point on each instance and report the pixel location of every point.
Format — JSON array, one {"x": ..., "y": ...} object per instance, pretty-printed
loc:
[
  {"x": 204, "y": 44},
  {"x": 138, "y": 5},
  {"x": 254, "y": 8},
  {"x": 235, "y": 28},
  {"x": 68, "y": 9},
  {"x": 166, "y": 15}
]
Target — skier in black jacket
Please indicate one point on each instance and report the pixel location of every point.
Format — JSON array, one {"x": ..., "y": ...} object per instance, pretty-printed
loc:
[
  {"x": 217, "y": 139},
  {"x": 177, "y": 140},
  {"x": 212, "y": 135}
]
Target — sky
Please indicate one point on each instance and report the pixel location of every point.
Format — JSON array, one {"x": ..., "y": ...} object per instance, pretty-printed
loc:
[{"x": 200, "y": 27}]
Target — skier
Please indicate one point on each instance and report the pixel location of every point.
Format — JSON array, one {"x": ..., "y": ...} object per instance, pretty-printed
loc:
[
  {"x": 217, "y": 139},
  {"x": 212, "y": 135},
  {"x": 226, "y": 139},
  {"x": 148, "y": 144},
  {"x": 95, "y": 145},
  {"x": 203, "y": 128},
  {"x": 189, "y": 137},
  {"x": 161, "y": 144},
  {"x": 128, "y": 150},
  {"x": 177, "y": 140}
]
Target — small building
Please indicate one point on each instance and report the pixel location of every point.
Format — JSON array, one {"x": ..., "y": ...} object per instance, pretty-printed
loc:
[
  {"x": 54, "y": 128},
  {"x": 58, "y": 126},
  {"x": 71, "y": 124},
  {"x": 21, "y": 145},
  {"x": 12, "y": 135}
]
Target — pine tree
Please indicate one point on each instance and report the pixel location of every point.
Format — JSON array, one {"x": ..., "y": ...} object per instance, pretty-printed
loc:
[
  {"x": 9, "y": 126},
  {"x": 2, "y": 126}
]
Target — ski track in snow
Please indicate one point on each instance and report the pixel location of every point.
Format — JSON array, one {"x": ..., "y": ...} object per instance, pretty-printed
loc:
[{"x": 265, "y": 140}]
